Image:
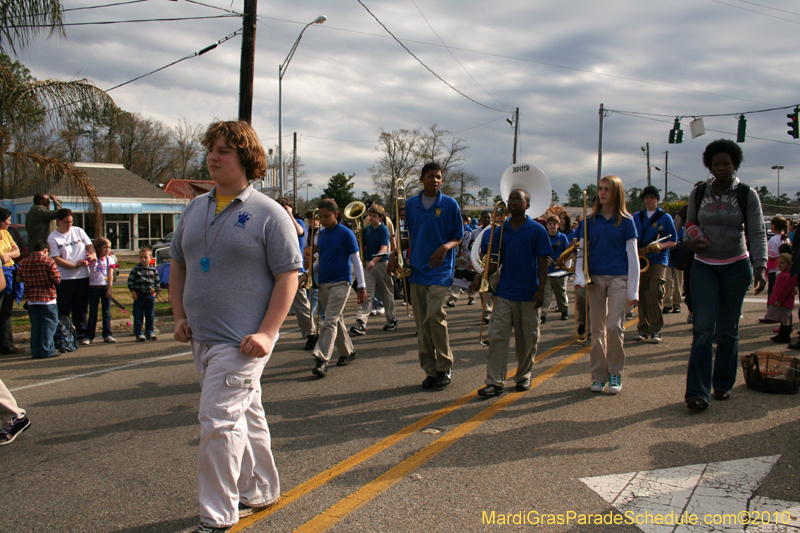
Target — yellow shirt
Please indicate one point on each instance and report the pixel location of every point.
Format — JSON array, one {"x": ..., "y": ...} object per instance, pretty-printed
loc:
[
  {"x": 222, "y": 202},
  {"x": 6, "y": 245}
]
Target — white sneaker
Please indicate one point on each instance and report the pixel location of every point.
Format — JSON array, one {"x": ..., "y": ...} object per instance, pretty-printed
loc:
[
  {"x": 380, "y": 311},
  {"x": 86, "y": 342},
  {"x": 373, "y": 312},
  {"x": 597, "y": 386},
  {"x": 640, "y": 337},
  {"x": 109, "y": 339},
  {"x": 614, "y": 383}
]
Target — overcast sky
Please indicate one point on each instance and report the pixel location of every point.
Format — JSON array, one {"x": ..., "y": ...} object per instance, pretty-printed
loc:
[{"x": 556, "y": 60}]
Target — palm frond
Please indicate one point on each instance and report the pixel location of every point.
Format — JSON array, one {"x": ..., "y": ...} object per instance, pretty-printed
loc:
[
  {"x": 44, "y": 173},
  {"x": 21, "y": 20},
  {"x": 61, "y": 99}
]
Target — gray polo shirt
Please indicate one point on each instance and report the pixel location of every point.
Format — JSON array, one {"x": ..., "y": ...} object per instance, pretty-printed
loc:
[{"x": 250, "y": 242}]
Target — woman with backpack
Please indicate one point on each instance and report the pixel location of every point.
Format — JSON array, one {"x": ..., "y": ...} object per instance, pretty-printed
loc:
[{"x": 721, "y": 211}]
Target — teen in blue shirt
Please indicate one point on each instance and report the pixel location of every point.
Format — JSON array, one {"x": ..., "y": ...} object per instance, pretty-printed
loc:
[
  {"x": 556, "y": 278},
  {"x": 614, "y": 272},
  {"x": 338, "y": 248},
  {"x": 435, "y": 228},
  {"x": 376, "y": 254},
  {"x": 523, "y": 248},
  {"x": 652, "y": 224}
]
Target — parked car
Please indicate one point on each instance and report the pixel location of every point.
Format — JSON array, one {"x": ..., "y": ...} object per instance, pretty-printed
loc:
[
  {"x": 161, "y": 249},
  {"x": 20, "y": 236}
]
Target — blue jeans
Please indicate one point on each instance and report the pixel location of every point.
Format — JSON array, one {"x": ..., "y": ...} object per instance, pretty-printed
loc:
[
  {"x": 98, "y": 295},
  {"x": 144, "y": 307},
  {"x": 44, "y": 319},
  {"x": 718, "y": 294}
]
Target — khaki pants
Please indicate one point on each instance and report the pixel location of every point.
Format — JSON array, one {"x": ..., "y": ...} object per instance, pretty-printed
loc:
[
  {"x": 672, "y": 291},
  {"x": 333, "y": 297},
  {"x": 651, "y": 296},
  {"x": 608, "y": 296},
  {"x": 381, "y": 280},
  {"x": 302, "y": 309},
  {"x": 235, "y": 457},
  {"x": 580, "y": 301},
  {"x": 9, "y": 409},
  {"x": 524, "y": 319},
  {"x": 431, "y": 321},
  {"x": 557, "y": 286}
]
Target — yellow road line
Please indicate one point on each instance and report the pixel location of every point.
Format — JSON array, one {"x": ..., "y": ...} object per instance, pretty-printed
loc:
[
  {"x": 354, "y": 460},
  {"x": 371, "y": 490}
]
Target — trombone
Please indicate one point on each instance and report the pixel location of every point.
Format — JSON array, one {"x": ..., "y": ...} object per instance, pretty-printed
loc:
[
  {"x": 403, "y": 270},
  {"x": 310, "y": 285},
  {"x": 586, "y": 277},
  {"x": 491, "y": 258},
  {"x": 355, "y": 211}
]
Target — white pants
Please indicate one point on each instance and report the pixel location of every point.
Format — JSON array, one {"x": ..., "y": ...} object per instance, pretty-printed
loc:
[{"x": 236, "y": 463}]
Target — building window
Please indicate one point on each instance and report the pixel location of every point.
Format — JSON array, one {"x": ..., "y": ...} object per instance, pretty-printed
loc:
[{"x": 153, "y": 227}]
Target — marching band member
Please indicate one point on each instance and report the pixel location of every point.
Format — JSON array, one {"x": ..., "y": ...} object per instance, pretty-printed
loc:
[
  {"x": 520, "y": 291},
  {"x": 556, "y": 278},
  {"x": 376, "y": 253},
  {"x": 488, "y": 298},
  {"x": 462, "y": 260},
  {"x": 301, "y": 305},
  {"x": 435, "y": 228},
  {"x": 652, "y": 223},
  {"x": 338, "y": 248},
  {"x": 614, "y": 272}
]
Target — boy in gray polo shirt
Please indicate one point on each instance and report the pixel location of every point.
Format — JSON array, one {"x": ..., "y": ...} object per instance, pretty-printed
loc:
[{"x": 234, "y": 276}]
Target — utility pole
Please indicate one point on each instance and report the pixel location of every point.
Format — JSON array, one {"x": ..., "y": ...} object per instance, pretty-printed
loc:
[
  {"x": 294, "y": 166},
  {"x": 666, "y": 173},
  {"x": 247, "y": 63},
  {"x": 600, "y": 146},
  {"x": 516, "y": 134},
  {"x": 648, "y": 164}
]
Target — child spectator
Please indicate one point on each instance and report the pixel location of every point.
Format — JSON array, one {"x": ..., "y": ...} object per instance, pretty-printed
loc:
[
  {"x": 40, "y": 275},
  {"x": 781, "y": 301},
  {"x": 101, "y": 275},
  {"x": 143, "y": 283}
]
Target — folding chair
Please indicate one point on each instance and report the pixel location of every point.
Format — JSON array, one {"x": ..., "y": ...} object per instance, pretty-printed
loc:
[{"x": 163, "y": 275}]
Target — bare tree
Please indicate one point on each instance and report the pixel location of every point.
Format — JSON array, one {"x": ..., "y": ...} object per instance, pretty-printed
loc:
[
  {"x": 399, "y": 159},
  {"x": 442, "y": 147},
  {"x": 186, "y": 148}
]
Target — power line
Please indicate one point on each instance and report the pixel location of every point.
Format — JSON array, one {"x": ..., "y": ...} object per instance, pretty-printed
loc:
[
  {"x": 196, "y": 54},
  {"x": 532, "y": 61},
  {"x": 104, "y": 5},
  {"x": 107, "y": 22},
  {"x": 453, "y": 55},
  {"x": 756, "y": 12},
  {"x": 768, "y": 7},
  {"x": 215, "y": 7},
  {"x": 426, "y": 66}
]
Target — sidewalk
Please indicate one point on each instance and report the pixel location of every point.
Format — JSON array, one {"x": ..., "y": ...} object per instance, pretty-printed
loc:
[{"x": 121, "y": 324}]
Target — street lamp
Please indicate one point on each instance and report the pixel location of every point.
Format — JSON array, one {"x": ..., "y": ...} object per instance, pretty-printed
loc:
[
  {"x": 281, "y": 71},
  {"x": 778, "y": 168}
]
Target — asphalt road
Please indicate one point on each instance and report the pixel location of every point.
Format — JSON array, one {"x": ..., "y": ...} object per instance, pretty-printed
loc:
[{"x": 114, "y": 435}]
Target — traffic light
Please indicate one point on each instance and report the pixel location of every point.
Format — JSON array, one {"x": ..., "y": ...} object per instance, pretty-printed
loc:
[
  {"x": 793, "y": 127},
  {"x": 741, "y": 129},
  {"x": 676, "y": 133}
]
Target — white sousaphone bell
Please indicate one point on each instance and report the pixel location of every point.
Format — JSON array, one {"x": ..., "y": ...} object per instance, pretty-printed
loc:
[{"x": 530, "y": 179}]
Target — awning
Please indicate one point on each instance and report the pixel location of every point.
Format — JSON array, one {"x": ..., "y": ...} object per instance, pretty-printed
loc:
[{"x": 122, "y": 208}]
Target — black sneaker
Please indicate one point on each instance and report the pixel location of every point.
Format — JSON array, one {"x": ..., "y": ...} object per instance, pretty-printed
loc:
[
  {"x": 564, "y": 316},
  {"x": 451, "y": 302},
  {"x": 666, "y": 309},
  {"x": 311, "y": 342},
  {"x": 391, "y": 326},
  {"x": 8, "y": 434},
  {"x": 629, "y": 316},
  {"x": 429, "y": 383},
  {"x": 543, "y": 320},
  {"x": 140, "y": 338},
  {"x": 152, "y": 337},
  {"x": 487, "y": 317},
  {"x": 443, "y": 379},
  {"x": 346, "y": 359},
  {"x": 581, "y": 329},
  {"x": 203, "y": 528},
  {"x": 490, "y": 390},
  {"x": 359, "y": 328},
  {"x": 321, "y": 369}
]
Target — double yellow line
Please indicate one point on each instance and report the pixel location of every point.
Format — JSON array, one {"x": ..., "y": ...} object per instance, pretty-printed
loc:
[{"x": 368, "y": 492}]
